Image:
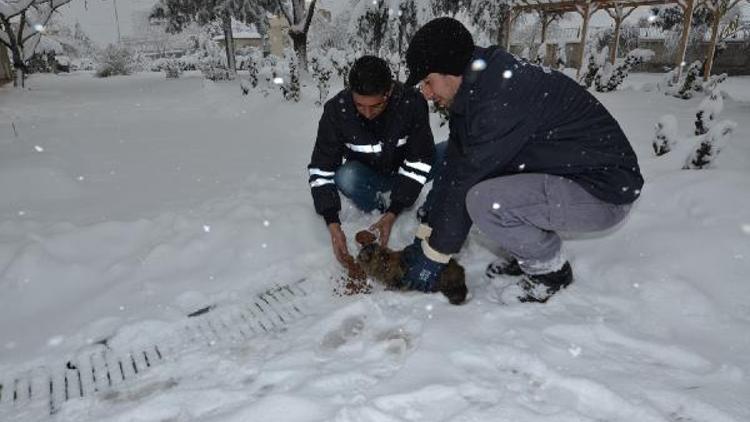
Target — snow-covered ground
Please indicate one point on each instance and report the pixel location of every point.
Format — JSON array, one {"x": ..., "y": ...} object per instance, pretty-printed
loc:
[{"x": 129, "y": 202}]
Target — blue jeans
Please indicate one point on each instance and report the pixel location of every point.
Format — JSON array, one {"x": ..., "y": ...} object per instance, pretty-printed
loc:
[{"x": 365, "y": 187}]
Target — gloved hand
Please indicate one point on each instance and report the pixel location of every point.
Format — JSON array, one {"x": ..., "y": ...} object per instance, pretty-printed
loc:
[{"x": 423, "y": 273}]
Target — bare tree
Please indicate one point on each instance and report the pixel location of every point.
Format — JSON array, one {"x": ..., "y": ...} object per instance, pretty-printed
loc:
[
  {"x": 299, "y": 19},
  {"x": 22, "y": 24}
]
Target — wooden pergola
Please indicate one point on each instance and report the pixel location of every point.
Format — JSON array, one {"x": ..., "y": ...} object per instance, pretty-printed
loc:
[{"x": 618, "y": 10}]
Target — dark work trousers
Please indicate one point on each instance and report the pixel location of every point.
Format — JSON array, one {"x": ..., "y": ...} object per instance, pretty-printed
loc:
[{"x": 522, "y": 214}]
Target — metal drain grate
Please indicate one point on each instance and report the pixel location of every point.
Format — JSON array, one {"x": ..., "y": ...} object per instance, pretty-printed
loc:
[{"x": 101, "y": 368}]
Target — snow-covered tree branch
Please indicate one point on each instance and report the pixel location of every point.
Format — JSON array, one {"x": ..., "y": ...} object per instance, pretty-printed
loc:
[{"x": 22, "y": 23}]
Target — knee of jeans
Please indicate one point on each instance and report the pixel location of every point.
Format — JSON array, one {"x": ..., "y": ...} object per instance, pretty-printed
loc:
[{"x": 347, "y": 177}]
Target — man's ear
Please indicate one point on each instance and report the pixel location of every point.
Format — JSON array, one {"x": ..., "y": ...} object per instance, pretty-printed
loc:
[{"x": 390, "y": 91}]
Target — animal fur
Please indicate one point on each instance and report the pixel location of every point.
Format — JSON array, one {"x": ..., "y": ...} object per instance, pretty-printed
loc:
[{"x": 387, "y": 267}]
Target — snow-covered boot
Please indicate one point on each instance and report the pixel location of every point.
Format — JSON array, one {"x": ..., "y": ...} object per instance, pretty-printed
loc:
[
  {"x": 503, "y": 266},
  {"x": 540, "y": 287}
]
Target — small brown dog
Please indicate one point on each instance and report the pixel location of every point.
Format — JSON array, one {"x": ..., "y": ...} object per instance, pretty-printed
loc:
[{"x": 387, "y": 267}]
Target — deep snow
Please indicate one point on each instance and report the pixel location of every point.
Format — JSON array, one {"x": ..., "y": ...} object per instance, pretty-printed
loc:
[{"x": 130, "y": 202}]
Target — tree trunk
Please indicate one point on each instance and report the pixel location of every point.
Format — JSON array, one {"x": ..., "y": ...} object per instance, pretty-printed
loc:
[
  {"x": 17, "y": 56},
  {"x": 616, "y": 46},
  {"x": 299, "y": 42},
  {"x": 226, "y": 21}
]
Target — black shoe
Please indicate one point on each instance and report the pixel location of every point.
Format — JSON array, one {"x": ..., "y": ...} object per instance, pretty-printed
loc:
[
  {"x": 540, "y": 287},
  {"x": 503, "y": 267}
]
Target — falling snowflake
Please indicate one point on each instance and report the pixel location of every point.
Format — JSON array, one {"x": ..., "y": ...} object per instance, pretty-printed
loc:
[
  {"x": 574, "y": 350},
  {"x": 206, "y": 228},
  {"x": 55, "y": 341},
  {"x": 278, "y": 80},
  {"x": 746, "y": 228},
  {"x": 266, "y": 223},
  {"x": 508, "y": 74},
  {"x": 521, "y": 167},
  {"x": 478, "y": 65},
  {"x": 495, "y": 206},
  {"x": 38, "y": 148}
]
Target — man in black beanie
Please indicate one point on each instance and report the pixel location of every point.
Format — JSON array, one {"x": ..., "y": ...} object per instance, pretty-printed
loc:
[
  {"x": 374, "y": 138},
  {"x": 530, "y": 153}
]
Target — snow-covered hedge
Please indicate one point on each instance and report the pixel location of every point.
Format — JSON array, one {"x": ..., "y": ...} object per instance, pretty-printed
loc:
[
  {"x": 609, "y": 77},
  {"x": 690, "y": 82},
  {"x": 115, "y": 60},
  {"x": 700, "y": 150},
  {"x": 666, "y": 135}
]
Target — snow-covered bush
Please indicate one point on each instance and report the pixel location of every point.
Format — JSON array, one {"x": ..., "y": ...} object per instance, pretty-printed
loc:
[
  {"x": 710, "y": 145},
  {"x": 708, "y": 112},
  {"x": 172, "y": 68},
  {"x": 594, "y": 62},
  {"x": 253, "y": 64},
  {"x": 321, "y": 72},
  {"x": 184, "y": 63},
  {"x": 287, "y": 78},
  {"x": 541, "y": 54},
  {"x": 267, "y": 74},
  {"x": 609, "y": 77},
  {"x": 690, "y": 82},
  {"x": 115, "y": 60},
  {"x": 666, "y": 135},
  {"x": 342, "y": 62}
]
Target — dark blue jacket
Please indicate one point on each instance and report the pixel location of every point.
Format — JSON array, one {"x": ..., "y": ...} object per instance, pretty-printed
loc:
[
  {"x": 515, "y": 117},
  {"x": 398, "y": 142}
]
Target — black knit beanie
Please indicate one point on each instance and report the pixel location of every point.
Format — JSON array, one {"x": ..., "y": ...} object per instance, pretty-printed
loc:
[{"x": 442, "y": 45}]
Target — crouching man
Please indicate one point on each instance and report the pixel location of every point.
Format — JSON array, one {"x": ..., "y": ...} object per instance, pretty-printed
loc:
[
  {"x": 374, "y": 138},
  {"x": 530, "y": 153}
]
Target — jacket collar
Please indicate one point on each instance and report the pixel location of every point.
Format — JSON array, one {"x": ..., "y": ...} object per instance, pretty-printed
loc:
[{"x": 470, "y": 77}]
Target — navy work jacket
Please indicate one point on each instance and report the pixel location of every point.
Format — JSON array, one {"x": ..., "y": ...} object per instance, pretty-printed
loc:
[{"x": 510, "y": 117}]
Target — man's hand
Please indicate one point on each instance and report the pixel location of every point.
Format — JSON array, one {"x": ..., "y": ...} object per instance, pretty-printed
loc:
[
  {"x": 338, "y": 242},
  {"x": 383, "y": 227}
]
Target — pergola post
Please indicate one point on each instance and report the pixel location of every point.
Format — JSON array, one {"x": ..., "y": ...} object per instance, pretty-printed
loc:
[
  {"x": 510, "y": 19},
  {"x": 719, "y": 9},
  {"x": 507, "y": 28},
  {"x": 585, "y": 12},
  {"x": 712, "y": 45},
  {"x": 619, "y": 15},
  {"x": 687, "y": 11}
]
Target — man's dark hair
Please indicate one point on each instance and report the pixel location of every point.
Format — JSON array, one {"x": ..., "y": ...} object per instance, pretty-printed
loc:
[{"x": 370, "y": 75}]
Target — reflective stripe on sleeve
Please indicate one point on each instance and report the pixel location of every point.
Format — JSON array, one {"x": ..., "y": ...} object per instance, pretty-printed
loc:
[{"x": 421, "y": 179}]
